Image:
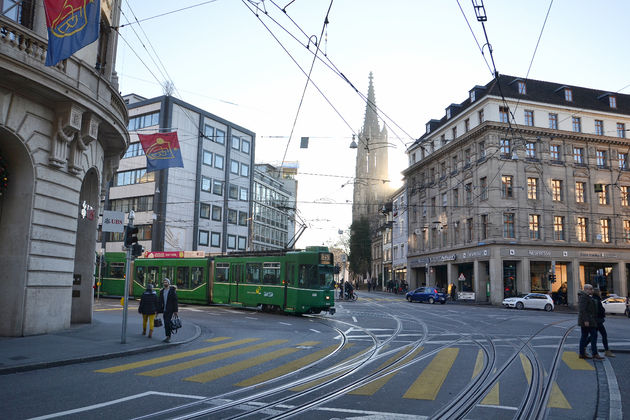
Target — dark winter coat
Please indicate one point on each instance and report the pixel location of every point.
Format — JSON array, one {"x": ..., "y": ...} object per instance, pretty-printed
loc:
[
  {"x": 601, "y": 312},
  {"x": 587, "y": 310},
  {"x": 148, "y": 303},
  {"x": 171, "y": 301}
]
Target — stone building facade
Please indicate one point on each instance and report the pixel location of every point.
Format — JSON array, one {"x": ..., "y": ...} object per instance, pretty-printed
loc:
[
  {"x": 523, "y": 180},
  {"x": 63, "y": 130}
]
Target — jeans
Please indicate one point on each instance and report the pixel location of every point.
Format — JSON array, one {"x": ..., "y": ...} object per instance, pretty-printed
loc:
[
  {"x": 603, "y": 333},
  {"x": 589, "y": 334},
  {"x": 167, "y": 323}
]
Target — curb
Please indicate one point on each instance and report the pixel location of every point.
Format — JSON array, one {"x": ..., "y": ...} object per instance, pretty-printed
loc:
[{"x": 113, "y": 355}]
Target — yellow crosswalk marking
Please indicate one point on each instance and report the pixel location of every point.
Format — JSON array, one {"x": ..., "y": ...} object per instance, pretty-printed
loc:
[
  {"x": 574, "y": 362},
  {"x": 372, "y": 387},
  {"x": 478, "y": 364},
  {"x": 316, "y": 382},
  {"x": 217, "y": 373},
  {"x": 209, "y": 359},
  {"x": 428, "y": 384},
  {"x": 287, "y": 367},
  {"x": 527, "y": 367},
  {"x": 557, "y": 398},
  {"x": 162, "y": 359},
  {"x": 492, "y": 397},
  {"x": 216, "y": 339}
]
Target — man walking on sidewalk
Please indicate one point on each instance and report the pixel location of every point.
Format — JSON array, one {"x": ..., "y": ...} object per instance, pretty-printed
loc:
[{"x": 587, "y": 320}]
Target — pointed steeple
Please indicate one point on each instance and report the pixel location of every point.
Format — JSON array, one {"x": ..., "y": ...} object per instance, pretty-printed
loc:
[{"x": 370, "y": 123}]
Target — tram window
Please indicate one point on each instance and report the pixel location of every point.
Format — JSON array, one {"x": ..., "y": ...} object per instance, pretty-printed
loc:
[
  {"x": 253, "y": 273},
  {"x": 308, "y": 275},
  {"x": 221, "y": 272},
  {"x": 140, "y": 278},
  {"x": 168, "y": 272},
  {"x": 182, "y": 280},
  {"x": 271, "y": 273},
  {"x": 196, "y": 276},
  {"x": 117, "y": 270},
  {"x": 151, "y": 276}
]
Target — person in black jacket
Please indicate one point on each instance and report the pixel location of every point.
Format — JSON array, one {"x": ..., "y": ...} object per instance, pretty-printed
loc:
[
  {"x": 168, "y": 306},
  {"x": 148, "y": 308},
  {"x": 601, "y": 315}
]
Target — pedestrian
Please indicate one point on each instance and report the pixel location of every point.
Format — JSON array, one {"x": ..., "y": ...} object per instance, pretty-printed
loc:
[
  {"x": 601, "y": 317},
  {"x": 587, "y": 320},
  {"x": 148, "y": 308},
  {"x": 168, "y": 306},
  {"x": 453, "y": 292},
  {"x": 369, "y": 286}
]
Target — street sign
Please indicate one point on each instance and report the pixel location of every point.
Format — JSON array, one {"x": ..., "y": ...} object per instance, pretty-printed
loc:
[
  {"x": 462, "y": 277},
  {"x": 113, "y": 221}
]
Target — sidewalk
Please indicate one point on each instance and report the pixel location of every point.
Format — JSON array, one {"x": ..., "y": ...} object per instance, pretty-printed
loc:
[{"x": 88, "y": 342}]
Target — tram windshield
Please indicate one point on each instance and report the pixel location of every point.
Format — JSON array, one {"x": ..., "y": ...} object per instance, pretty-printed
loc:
[{"x": 315, "y": 276}]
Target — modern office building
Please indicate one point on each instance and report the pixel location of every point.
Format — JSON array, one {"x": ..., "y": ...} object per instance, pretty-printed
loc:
[
  {"x": 204, "y": 206},
  {"x": 63, "y": 129},
  {"x": 275, "y": 207},
  {"x": 523, "y": 180}
]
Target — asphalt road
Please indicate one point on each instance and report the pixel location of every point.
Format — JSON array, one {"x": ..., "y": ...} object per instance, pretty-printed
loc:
[{"x": 378, "y": 357}]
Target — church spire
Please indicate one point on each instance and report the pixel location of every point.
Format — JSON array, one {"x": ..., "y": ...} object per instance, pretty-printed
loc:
[{"x": 370, "y": 123}]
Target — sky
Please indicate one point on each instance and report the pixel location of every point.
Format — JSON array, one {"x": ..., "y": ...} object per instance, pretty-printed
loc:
[{"x": 222, "y": 56}]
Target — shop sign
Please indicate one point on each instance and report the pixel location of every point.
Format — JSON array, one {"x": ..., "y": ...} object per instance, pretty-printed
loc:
[
  {"x": 466, "y": 295},
  {"x": 475, "y": 254},
  {"x": 418, "y": 262},
  {"x": 539, "y": 253},
  {"x": 442, "y": 258},
  {"x": 598, "y": 255}
]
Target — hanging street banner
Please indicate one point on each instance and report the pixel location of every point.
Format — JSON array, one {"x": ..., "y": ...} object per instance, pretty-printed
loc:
[
  {"x": 72, "y": 24},
  {"x": 162, "y": 151},
  {"x": 113, "y": 221}
]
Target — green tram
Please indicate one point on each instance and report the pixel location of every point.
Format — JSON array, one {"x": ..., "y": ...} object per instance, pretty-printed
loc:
[{"x": 300, "y": 281}]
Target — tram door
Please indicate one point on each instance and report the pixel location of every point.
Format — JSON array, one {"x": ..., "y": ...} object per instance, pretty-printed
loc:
[
  {"x": 288, "y": 277},
  {"x": 235, "y": 281}
]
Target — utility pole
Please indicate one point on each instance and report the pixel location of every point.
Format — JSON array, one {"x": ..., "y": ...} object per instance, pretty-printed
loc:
[{"x": 128, "y": 233}]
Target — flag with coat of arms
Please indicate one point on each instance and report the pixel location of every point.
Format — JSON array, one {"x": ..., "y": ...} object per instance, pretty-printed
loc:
[{"x": 162, "y": 150}]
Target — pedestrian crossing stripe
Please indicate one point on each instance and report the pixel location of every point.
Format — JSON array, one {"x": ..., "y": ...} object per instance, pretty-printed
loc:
[
  {"x": 428, "y": 384},
  {"x": 556, "y": 398},
  {"x": 288, "y": 367},
  {"x": 220, "y": 372},
  {"x": 162, "y": 359},
  {"x": 209, "y": 359},
  {"x": 572, "y": 360}
]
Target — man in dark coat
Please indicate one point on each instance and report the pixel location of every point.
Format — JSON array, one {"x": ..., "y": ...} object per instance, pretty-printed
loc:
[
  {"x": 148, "y": 308},
  {"x": 168, "y": 306},
  {"x": 587, "y": 320}
]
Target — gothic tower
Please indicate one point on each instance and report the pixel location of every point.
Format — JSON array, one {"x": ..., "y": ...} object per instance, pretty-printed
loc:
[{"x": 371, "y": 174}]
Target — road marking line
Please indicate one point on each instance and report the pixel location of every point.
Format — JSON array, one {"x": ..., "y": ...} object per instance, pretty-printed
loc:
[
  {"x": 216, "y": 339},
  {"x": 162, "y": 359},
  {"x": 615, "y": 410},
  {"x": 220, "y": 372},
  {"x": 284, "y": 323},
  {"x": 372, "y": 387},
  {"x": 250, "y": 317},
  {"x": 108, "y": 309},
  {"x": 557, "y": 398},
  {"x": 492, "y": 398},
  {"x": 428, "y": 384},
  {"x": 527, "y": 367},
  {"x": 354, "y": 319},
  {"x": 315, "y": 331},
  {"x": 208, "y": 359},
  {"x": 288, "y": 367},
  {"x": 478, "y": 364},
  {"x": 112, "y": 402},
  {"x": 574, "y": 362}
]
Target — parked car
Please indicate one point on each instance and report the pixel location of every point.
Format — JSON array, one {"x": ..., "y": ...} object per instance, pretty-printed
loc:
[
  {"x": 530, "y": 301},
  {"x": 615, "y": 305},
  {"x": 426, "y": 294}
]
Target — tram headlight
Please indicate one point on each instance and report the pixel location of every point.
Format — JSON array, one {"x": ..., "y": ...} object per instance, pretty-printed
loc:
[{"x": 327, "y": 297}]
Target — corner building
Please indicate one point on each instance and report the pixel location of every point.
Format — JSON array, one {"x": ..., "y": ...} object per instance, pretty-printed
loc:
[
  {"x": 523, "y": 180},
  {"x": 63, "y": 130}
]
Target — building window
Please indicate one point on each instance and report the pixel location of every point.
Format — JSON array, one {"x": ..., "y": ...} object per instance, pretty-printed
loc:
[
  {"x": 534, "y": 226},
  {"x": 505, "y": 148},
  {"x": 530, "y": 150},
  {"x": 454, "y": 132},
  {"x": 468, "y": 193},
  {"x": 203, "y": 237},
  {"x": 581, "y": 230},
  {"x": 529, "y": 118},
  {"x": 483, "y": 187},
  {"x": 480, "y": 116},
  {"x": 578, "y": 155},
  {"x": 624, "y": 190},
  {"x": 433, "y": 207},
  {"x": 206, "y": 184},
  {"x": 556, "y": 190},
  {"x": 231, "y": 241},
  {"x": 469, "y": 230},
  {"x": 558, "y": 228},
  {"x": 233, "y": 192},
  {"x": 242, "y": 218},
  {"x": 443, "y": 234},
  {"x": 466, "y": 125},
  {"x": 604, "y": 226},
  {"x": 522, "y": 88},
  {"x": 443, "y": 170},
  {"x": 454, "y": 160},
  {"x": 217, "y": 187},
  {"x": 444, "y": 202},
  {"x": 623, "y": 161},
  {"x": 232, "y": 217},
  {"x": 553, "y": 121},
  {"x": 141, "y": 121},
  {"x": 216, "y": 213},
  {"x": 244, "y": 170},
  {"x": 580, "y": 188},
  {"x": 204, "y": 211},
  {"x": 467, "y": 157},
  {"x": 236, "y": 143},
  {"x": 242, "y": 243},
  {"x": 626, "y": 231},
  {"x": 484, "y": 227},
  {"x": 532, "y": 188},
  {"x": 208, "y": 132},
  {"x": 568, "y": 95},
  {"x": 507, "y": 190},
  {"x": 136, "y": 176},
  {"x": 245, "y": 146},
  {"x": 504, "y": 114},
  {"x": 599, "y": 127},
  {"x": 134, "y": 149},
  {"x": 141, "y": 203},
  {"x": 621, "y": 130},
  {"x": 234, "y": 166},
  {"x": 455, "y": 198},
  {"x": 215, "y": 239},
  {"x": 481, "y": 146},
  {"x": 554, "y": 151},
  {"x": 508, "y": 225},
  {"x": 603, "y": 195},
  {"x": 577, "y": 124},
  {"x": 612, "y": 101},
  {"x": 207, "y": 158},
  {"x": 602, "y": 161},
  {"x": 218, "y": 161},
  {"x": 219, "y": 136},
  {"x": 243, "y": 194},
  {"x": 443, "y": 139}
]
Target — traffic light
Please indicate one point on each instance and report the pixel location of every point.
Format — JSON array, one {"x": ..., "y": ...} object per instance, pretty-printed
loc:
[
  {"x": 552, "y": 278},
  {"x": 131, "y": 236},
  {"x": 137, "y": 250}
]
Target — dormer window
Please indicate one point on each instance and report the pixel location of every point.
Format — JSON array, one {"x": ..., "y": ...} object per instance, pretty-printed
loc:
[
  {"x": 568, "y": 95},
  {"x": 472, "y": 96},
  {"x": 448, "y": 113},
  {"x": 522, "y": 88},
  {"x": 612, "y": 101},
  {"x": 428, "y": 127}
]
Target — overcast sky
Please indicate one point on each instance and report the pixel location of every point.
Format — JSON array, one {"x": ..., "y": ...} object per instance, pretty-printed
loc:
[{"x": 222, "y": 58}]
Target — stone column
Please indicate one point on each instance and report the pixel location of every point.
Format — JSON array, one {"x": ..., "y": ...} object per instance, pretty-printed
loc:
[
  {"x": 524, "y": 281},
  {"x": 573, "y": 282},
  {"x": 496, "y": 280},
  {"x": 479, "y": 297},
  {"x": 619, "y": 278},
  {"x": 431, "y": 276},
  {"x": 451, "y": 275}
]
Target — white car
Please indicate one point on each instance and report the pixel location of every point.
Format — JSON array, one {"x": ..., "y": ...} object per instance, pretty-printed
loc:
[
  {"x": 615, "y": 305},
  {"x": 530, "y": 301}
]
